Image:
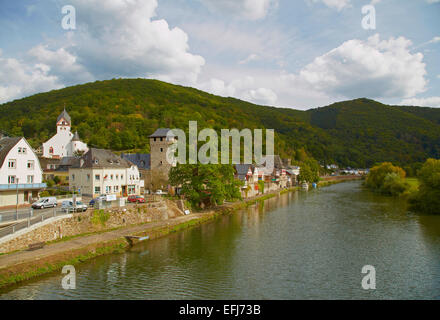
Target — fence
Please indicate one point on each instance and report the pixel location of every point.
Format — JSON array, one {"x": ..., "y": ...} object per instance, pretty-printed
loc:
[{"x": 30, "y": 220}]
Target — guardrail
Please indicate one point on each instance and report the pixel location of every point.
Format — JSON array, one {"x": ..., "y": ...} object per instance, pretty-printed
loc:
[
  {"x": 22, "y": 186},
  {"x": 30, "y": 221}
]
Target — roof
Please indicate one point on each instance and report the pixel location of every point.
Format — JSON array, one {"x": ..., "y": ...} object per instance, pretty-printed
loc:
[
  {"x": 64, "y": 115},
  {"x": 278, "y": 163},
  {"x": 100, "y": 158},
  {"x": 141, "y": 160},
  {"x": 160, "y": 133},
  {"x": 6, "y": 144},
  {"x": 76, "y": 137},
  {"x": 242, "y": 169}
]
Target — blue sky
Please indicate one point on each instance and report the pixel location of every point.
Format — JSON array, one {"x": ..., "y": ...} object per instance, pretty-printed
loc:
[{"x": 298, "y": 54}]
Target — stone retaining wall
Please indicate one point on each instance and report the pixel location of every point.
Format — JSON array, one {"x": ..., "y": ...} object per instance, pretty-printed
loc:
[{"x": 89, "y": 222}]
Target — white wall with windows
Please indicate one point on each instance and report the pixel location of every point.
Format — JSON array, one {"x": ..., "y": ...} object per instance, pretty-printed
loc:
[
  {"x": 118, "y": 181},
  {"x": 21, "y": 166}
]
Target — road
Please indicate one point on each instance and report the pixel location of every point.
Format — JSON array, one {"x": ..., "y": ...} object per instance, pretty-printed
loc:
[{"x": 11, "y": 217}]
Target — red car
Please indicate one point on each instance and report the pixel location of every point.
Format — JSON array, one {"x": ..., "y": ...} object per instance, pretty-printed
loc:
[{"x": 136, "y": 199}]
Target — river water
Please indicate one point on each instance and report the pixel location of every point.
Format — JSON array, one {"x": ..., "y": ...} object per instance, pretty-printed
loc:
[{"x": 303, "y": 245}]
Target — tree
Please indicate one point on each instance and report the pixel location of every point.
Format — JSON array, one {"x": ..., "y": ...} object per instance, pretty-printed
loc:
[
  {"x": 376, "y": 178},
  {"x": 427, "y": 199},
  {"x": 209, "y": 184},
  {"x": 309, "y": 171}
]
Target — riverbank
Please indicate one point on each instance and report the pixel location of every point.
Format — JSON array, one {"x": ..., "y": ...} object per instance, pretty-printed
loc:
[{"x": 20, "y": 266}]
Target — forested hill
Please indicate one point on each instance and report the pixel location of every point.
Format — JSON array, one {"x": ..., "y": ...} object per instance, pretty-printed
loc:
[{"x": 121, "y": 114}]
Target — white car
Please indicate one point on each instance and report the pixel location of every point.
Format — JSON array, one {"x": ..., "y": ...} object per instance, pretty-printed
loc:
[
  {"x": 68, "y": 206},
  {"x": 160, "y": 192},
  {"x": 49, "y": 202}
]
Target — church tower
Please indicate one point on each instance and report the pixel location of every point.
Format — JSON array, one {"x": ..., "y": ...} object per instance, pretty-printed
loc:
[{"x": 64, "y": 122}]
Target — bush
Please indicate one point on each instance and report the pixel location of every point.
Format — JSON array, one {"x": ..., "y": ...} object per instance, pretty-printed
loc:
[
  {"x": 427, "y": 199},
  {"x": 394, "y": 185},
  {"x": 376, "y": 178},
  {"x": 100, "y": 217}
]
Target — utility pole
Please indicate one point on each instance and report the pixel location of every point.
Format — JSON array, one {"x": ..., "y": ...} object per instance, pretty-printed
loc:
[{"x": 16, "y": 208}]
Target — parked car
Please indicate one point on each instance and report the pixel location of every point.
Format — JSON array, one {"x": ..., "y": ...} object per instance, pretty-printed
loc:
[
  {"x": 160, "y": 192},
  {"x": 136, "y": 199},
  {"x": 67, "y": 206},
  {"x": 49, "y": 202}
]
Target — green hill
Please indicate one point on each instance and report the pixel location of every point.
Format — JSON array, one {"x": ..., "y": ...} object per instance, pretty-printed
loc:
[{"x": 121, "y": 114}]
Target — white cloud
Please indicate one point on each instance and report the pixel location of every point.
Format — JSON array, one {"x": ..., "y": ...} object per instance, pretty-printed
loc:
[
  {"x": 435, "y": 39},
  {"x": 63, "y": 64},
  {"x": 422, "y": 102},
  {"x": 117, "y": 38},
  {"x": 245, "y": 88},
  {"x": 247, "y": 9},
  {"x": 18, "y": 79},
  {"x": 124, "y": 40},
  {"x": 262, "y": 96},
  {"x": 432, "y": 1},
  {"x": 250, "y": 58},
  {"x": 336, "y": 4},
  {"x": 372, "y": 68}
]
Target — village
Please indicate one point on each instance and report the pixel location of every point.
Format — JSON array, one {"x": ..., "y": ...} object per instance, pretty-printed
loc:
[{"x": 97, "y": 173}]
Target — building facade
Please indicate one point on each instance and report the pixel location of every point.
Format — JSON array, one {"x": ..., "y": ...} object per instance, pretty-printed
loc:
[
  {"x": 21, "y": 176},
  {"x": 102, "y": 172},
  {"x": 64, "y": 143}
]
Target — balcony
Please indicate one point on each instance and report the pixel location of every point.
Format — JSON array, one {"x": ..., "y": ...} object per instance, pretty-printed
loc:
[{"x": 32, "y": 186}]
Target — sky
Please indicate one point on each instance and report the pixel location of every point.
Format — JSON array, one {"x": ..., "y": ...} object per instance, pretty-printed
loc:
[{"x": 298, "y": 54}]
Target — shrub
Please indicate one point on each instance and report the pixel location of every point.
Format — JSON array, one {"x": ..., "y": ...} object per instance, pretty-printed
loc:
[
  {"x": 427, "y": 199},
  {"x": 376, "y": 178},
  {"x": 394, "y": 185},
  {"x": 100, "y": 217}
]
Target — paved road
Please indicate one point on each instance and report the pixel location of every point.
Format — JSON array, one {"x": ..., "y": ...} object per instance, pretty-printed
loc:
[{"x": 9, "y": 217}]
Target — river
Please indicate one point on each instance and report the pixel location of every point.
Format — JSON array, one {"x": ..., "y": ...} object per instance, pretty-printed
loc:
[{"x": 302, "y": 245}]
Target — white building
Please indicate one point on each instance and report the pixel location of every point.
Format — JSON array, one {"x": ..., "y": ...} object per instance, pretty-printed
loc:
[
  {"x": 64, "y": 143},
  {"x": 102, "y": 172},
  {"x": 20, "y": 172}
]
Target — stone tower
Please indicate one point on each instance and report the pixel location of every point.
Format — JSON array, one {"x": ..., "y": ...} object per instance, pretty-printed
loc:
[{"x": 159, "y": 144}]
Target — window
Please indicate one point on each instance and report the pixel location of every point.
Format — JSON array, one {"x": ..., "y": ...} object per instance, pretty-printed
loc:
[
  {"x": 24, "y": 151},
  {"x": 161, "y": 139},
  {"x": 11, "y": 179},
  {"x": 111, "y": 177},
  {"x": 117, "y": 177},
  {"x": 154, "y": 139},
  {"x": 161, "y": 149},
  {"x": 51, "y": 150},
  {"x": 116, "y": 188},
  {"x": 30, "y": 179},
  {"x": 97, "y": 177},
  {"x": 31, "y": 165},
  {"x": 88, "y": 177},
  {"x": 108, "y": 189},
  {"x": 12, "y": 164},
  {"x": 122, "y": 176},
  {"x": 97, "y": 190}
]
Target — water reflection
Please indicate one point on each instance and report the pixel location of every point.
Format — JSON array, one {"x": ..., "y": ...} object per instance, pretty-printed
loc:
[{"x": 303, "y": 245}]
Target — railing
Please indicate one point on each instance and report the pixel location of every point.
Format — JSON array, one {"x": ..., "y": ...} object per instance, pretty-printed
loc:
[
  {"x": 31, "y": 220},
  {"x": 22, "y": 186}
]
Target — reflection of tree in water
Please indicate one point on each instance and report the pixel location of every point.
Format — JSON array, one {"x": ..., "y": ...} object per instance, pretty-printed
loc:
[{"x": 430, "y": 228}]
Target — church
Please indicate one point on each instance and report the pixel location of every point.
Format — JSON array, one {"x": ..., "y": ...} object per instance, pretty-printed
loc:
[{"x": 64, "y": 143}]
